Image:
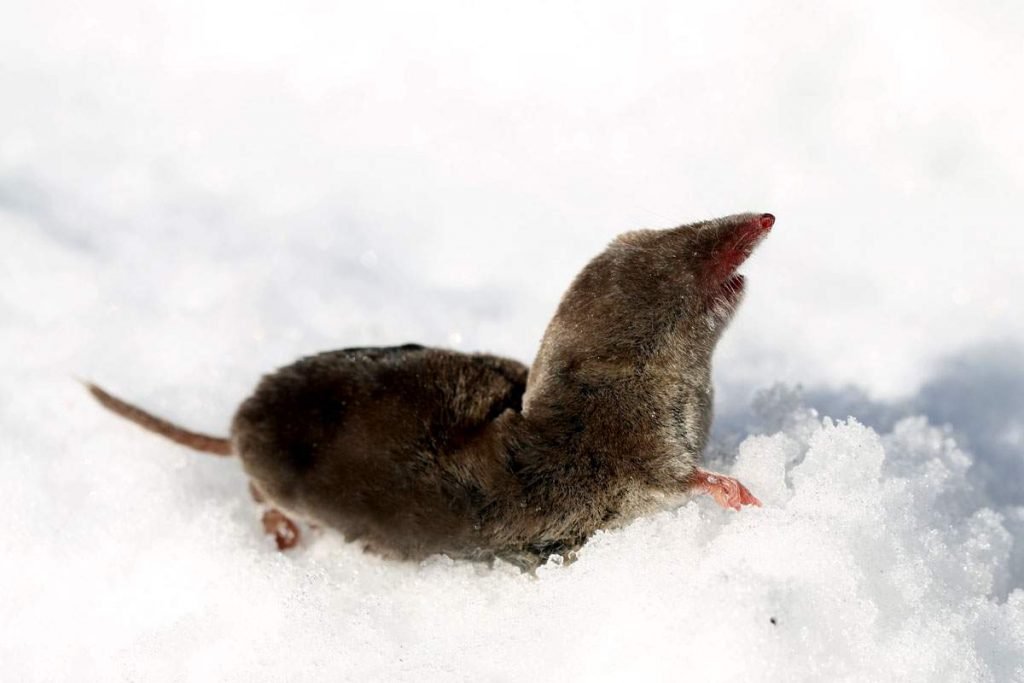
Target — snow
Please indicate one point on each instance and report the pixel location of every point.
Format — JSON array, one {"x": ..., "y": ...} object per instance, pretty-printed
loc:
[{"x": 193, "y": 194}]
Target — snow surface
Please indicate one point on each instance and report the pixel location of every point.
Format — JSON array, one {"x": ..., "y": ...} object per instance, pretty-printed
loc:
[{"x": 194, "y": 193}]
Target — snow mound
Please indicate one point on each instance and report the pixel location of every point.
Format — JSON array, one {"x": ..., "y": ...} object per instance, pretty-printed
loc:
[{"x": 873, "y": 558}]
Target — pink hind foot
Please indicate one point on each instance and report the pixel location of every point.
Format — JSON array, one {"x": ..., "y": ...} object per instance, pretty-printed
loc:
[
  {"x": 285, "y": 532},
  {"x": 727, "y": 491}
]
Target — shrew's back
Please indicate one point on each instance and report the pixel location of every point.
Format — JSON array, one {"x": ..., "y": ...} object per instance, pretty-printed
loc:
[{"x": 372, "y": 441}]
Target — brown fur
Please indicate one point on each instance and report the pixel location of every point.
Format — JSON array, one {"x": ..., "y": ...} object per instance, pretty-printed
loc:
[{"x": 418, "y": 451}]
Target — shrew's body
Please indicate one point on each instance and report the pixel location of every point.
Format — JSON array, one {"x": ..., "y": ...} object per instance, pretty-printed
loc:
[{"x": 416, "y": 451}]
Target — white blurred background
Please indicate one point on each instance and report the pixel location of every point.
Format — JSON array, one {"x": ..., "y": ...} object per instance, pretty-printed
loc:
[{"x": 194, "y": 193}]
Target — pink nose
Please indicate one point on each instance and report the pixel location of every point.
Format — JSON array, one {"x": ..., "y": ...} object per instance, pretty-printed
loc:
[{"x": 767, "y": 220}]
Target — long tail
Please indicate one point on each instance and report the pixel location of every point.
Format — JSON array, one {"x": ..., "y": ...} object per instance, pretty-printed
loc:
[{"x": 199, "y": 442}]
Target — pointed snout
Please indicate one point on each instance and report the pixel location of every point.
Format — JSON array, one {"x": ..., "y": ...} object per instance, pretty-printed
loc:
[{"x": 727, "y": 242}]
